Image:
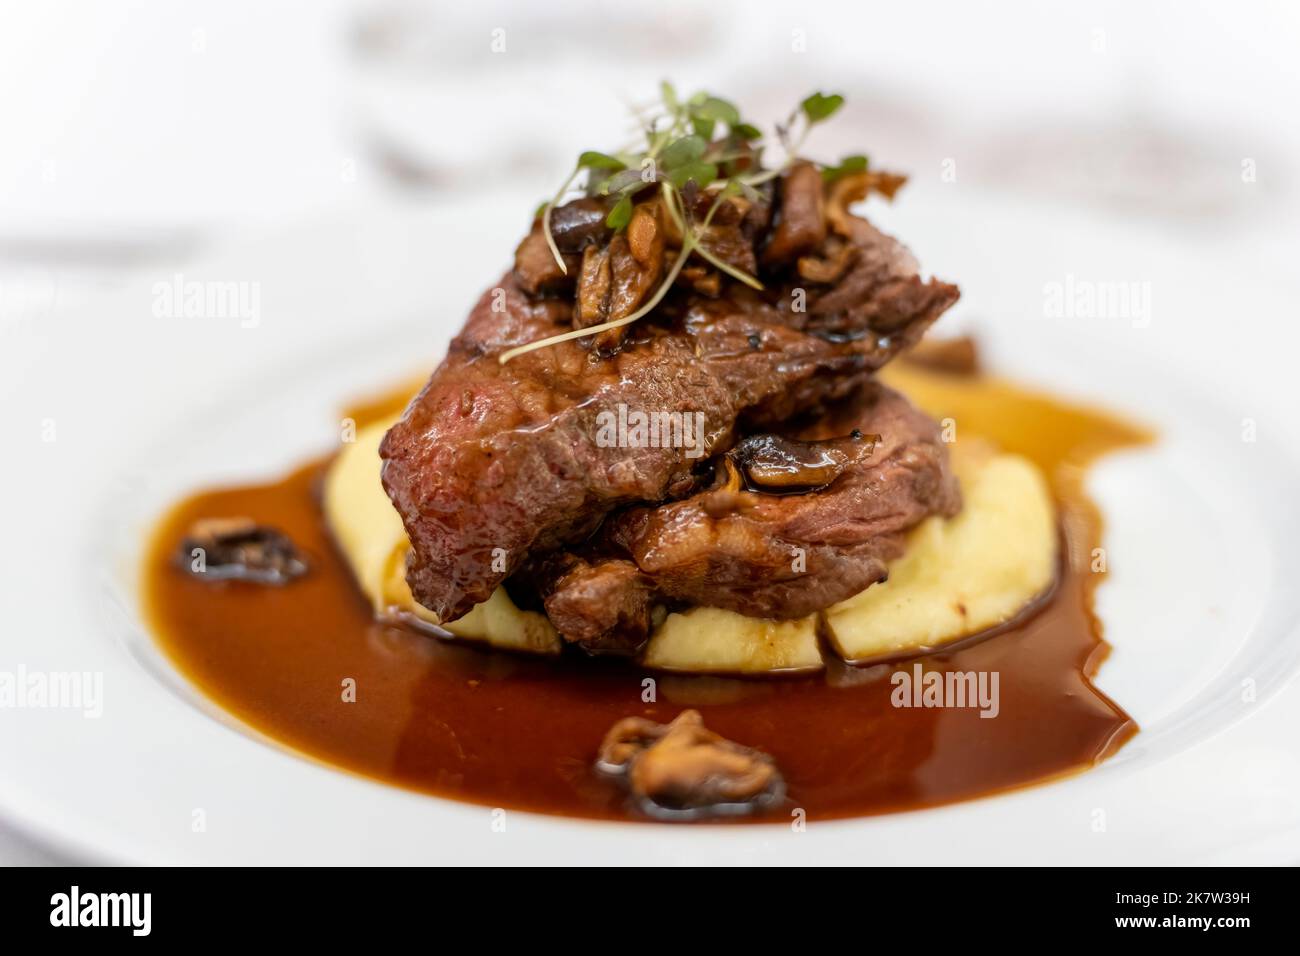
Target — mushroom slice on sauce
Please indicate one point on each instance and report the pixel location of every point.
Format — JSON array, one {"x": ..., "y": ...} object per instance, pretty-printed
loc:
[{"x": 684, "y": 771}]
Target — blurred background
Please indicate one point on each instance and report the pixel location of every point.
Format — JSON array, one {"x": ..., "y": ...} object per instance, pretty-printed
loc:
[
  {"x": 140, "y": 133},
  {"x": 141, "y": 136}
]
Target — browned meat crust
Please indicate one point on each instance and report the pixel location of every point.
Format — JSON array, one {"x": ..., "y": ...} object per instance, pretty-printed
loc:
[
  {"x": 492, "y": 462},
  {"x": 758, "y": 553},
  {"x": 606, "y": 604}
]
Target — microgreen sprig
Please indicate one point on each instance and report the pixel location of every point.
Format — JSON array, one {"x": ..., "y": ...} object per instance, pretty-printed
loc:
[{"x": 702, "y": 140}]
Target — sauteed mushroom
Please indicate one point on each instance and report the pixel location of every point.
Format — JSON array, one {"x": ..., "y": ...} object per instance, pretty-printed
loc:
[{"x": 683, "y": 769}]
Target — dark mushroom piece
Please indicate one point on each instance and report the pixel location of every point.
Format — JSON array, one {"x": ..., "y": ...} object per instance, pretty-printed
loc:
[
  {"x": 684, "y": 771},
  {"x": 575, "y": 227},
  {"x": 775, "y": 464},
  {"x": 801, "y": 227},
  {"x": 239, "y": 549},
  {"x": 579, "y": 224},
  {"x": 618, "y": 278},
  {"x": 830, "y": 264},
  {"x": 855, "y": 187}
]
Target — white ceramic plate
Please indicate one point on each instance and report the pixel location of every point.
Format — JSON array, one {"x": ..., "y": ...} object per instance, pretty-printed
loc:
[{"x": 119, "y": 411}]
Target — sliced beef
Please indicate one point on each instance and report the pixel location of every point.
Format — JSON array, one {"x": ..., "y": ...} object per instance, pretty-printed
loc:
[
  {"x": 603, "y": 603},
  {"x": 754, "y": 547},
  {"x": 493, "y": 461}
]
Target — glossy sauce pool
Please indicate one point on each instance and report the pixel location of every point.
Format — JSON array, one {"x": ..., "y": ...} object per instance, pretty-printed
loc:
[{"x": 508, "y": 731}]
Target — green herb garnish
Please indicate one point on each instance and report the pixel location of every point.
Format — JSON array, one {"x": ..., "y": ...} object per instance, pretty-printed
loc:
[
  {"x": 701, "y": 140},
  {"x": 847, "y": 165},
  {"x": 820, "y": 107},
  {"x": 620, "y": 215},
  {"x": 594, "y": 160}
]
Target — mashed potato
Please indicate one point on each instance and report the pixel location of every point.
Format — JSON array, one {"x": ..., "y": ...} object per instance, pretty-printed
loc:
[
  {"x": 957, "y": 577},
  {"x": 712, "y": 640},
  {"x": 963, "y": 575}
]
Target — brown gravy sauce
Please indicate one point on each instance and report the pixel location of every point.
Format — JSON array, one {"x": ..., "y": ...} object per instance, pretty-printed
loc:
[{"x": 507, "y": 731}]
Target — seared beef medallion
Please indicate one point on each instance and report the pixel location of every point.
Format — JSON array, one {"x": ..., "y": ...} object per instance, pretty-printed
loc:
[
  {"x": 830, "y": 515},
  {"x": 494, "y": 461},
  {"x": 751, "y": 306}
]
